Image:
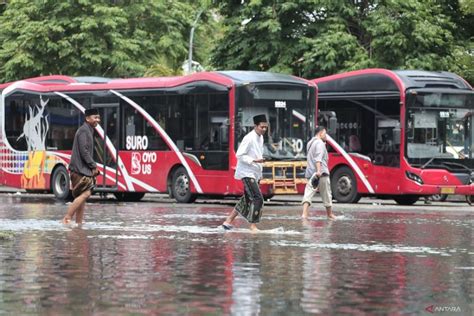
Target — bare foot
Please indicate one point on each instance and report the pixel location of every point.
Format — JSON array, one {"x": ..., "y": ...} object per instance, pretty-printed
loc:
[
  {"x": 226, "y": 226},
  {"x": 305, "y": 222},
  {"x": 254, "y": 228},
  {"x": 304, "y": 216},
  {"x": 331, "y": 217},
  {"x": 66, "y": 220}
]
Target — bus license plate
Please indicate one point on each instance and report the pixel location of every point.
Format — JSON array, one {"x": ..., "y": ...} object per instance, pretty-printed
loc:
[{"x": 447, "y": 190}]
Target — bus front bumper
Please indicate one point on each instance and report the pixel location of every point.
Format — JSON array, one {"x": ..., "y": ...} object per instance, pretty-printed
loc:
[{"x": 427, "y": 189}]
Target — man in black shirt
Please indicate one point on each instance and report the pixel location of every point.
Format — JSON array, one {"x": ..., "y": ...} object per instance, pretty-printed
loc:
[{"x": 82, "y": 167}]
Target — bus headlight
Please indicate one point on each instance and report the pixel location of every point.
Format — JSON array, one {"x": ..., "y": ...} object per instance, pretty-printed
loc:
[{"x": 414, "y": 177}]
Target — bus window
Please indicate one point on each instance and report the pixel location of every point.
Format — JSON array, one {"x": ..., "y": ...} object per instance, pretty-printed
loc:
[
  {"x": 387, "y": 134},
  {"x": 219, "y": 122},
  {"x": 202, "y": 135},
  {"x": 207, "y": 122},
  {"x": 155, "y": 105},
  {"x": 173, "y": 120},
  {"x": 288, "y": 109},
  {"x": 64, "y": 120},
  {"x": 438, "y": 133},
  {"x": 27, "y": 125},
  {"x": 352, "y": 122},
  {"x": 15, "y": 109},
  {"x": 368, "y": 126},
  {"x": 196, "y": 123},
  {"x": 189, "y": 115}
]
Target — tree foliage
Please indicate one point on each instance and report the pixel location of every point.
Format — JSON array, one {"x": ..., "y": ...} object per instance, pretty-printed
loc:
[
  {"x": 468, "y": 6},
  {"x": 313, "y": 38},
  {"x": 206, "y": 32},
  {"x": 95, "y": 37},
  {"x": 310, "y": 38}
]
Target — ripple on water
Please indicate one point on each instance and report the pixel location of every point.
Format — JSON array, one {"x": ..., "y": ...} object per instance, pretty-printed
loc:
[
  {"x": 50, "y": 225},
  {"x": 367, "y": 247}
]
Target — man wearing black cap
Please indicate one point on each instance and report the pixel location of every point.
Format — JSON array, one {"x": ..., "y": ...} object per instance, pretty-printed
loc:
[
  {"x": 317, "y": 173},
  {"x": 82, "y": 167},
  {"x": 249, "y": 170}
]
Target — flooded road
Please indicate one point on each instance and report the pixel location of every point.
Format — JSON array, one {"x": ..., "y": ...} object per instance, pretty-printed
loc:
[{"x": 165, "y": 258}]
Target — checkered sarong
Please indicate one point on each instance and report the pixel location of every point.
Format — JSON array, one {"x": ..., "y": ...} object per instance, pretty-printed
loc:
[{"x": 251, "y": 203}]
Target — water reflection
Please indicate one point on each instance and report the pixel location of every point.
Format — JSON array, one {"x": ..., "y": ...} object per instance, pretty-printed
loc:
[{"x": 146, "y": 259}]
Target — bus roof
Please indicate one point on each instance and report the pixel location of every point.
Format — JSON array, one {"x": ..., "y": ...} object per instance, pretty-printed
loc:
[
  {"x": 383, "y": 80},
  {"x": 244, "y": 77},
  {"x": 224, "y": 78}
]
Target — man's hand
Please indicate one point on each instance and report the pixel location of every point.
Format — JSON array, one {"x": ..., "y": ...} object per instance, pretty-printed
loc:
[
  {"x": 95, "y": 172},
  {"x": 318, "y": 169}
]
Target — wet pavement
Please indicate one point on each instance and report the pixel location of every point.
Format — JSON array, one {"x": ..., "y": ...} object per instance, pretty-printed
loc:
[{"x": 158, "y": 257}]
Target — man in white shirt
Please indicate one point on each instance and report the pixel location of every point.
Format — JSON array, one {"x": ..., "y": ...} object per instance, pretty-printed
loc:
[{"x": 249, "y": 170}]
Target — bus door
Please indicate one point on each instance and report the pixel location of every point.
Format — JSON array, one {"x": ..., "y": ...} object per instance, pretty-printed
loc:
[{"x": 106, "y": 148}]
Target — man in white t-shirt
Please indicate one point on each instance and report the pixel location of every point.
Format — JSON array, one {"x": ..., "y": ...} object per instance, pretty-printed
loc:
[{"x": 249, "y": 170}]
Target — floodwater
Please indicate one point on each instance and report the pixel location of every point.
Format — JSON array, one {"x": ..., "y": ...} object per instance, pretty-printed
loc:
[{"x": 157, "y": 258}]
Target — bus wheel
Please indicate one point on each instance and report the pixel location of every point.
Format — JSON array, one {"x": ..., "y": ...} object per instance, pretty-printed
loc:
[
  {"x": 129, "y": 196},
  {"x": 60, "y": 184},
  {"x": 268, "y": 197},
  {"x": 406, "y": 199},
  {"x": 344, "y": 186},
  {"x": 181, "y": 186},
  {"x": 439, "y": 197}
]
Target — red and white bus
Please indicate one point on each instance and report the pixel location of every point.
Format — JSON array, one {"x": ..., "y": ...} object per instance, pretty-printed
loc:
[
  {"x": 176, "y": 135},
  {"x": 398, "y": 134}
]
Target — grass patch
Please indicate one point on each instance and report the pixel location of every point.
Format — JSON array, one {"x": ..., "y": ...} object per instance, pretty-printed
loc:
[{"x": 6, "y": 235}]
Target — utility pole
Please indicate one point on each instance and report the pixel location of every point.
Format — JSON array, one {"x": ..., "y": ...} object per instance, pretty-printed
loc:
[{"x": 191, "y": 36}]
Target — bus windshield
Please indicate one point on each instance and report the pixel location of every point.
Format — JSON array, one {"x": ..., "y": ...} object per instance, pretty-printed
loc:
[
  {"x": 439, "y": 126},
  {"x": 290, "y": 111}
]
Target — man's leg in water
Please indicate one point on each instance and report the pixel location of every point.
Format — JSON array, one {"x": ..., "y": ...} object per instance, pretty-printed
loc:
[
  {"x": 326, "y": 196},
  {"x": 252, "y": 201},
  {"x": 240, "y": 204},
  {"x": 80, "y": 210},
  {"x": 309, "y": 192},
  {"x": 305, "y": 210},
  {"x": 252, "y": 190},
  {"x": 231, "y": 217},
  {"x": 329, "y": 213},
  {"x": 78, "y": 202}
]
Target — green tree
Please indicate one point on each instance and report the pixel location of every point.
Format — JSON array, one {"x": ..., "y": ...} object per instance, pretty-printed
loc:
[
  {"x": 93, "y": 37},
  {"x": 313, "y": 38},
  {"x": 468, "y": 6},
  {"x": 262, "y": 35},
  {"x": 207, "y": 30},
  {"x": 463, "y": 15}
]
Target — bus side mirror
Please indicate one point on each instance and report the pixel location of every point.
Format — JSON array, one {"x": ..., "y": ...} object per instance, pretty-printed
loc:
[
  {"x": 396, "y": 135},
  {"x": 224, "y": 133},
  {"x": 332, "y": 126}
]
